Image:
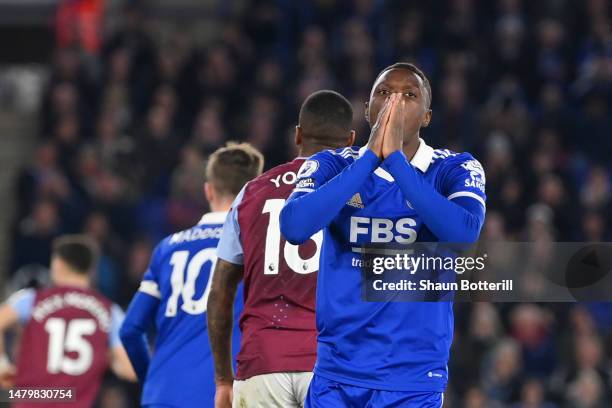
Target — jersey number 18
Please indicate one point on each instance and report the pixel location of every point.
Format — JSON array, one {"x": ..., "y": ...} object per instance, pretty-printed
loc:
[{"x": 291, "y": 252}]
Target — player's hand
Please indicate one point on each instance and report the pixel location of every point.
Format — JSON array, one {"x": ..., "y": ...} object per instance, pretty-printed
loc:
[
  {"x": 223, "y": 396},
  {"x": 7, "y": 377},
  {"x": 394, "y": 135},
  {"x": 377, "y": 134}
]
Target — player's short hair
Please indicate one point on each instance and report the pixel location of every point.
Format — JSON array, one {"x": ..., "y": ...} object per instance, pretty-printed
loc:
[
  {"x": 229, "y": 168},
  {"x": 80, "y": 252},
  {"x": 326, "y": 118},
  {"x": 414, "y": 69}
]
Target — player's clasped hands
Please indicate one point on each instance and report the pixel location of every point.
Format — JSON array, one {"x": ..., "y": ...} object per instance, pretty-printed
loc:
[{"x": 387, "y": 133}]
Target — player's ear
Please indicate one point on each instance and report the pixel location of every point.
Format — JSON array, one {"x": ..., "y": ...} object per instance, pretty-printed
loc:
[
  {"x": 367, "y": 111},
  {"x": 298, "y": 135},
  {"x": 426, "y": 119},
  {"x": 351, "y": 138}
]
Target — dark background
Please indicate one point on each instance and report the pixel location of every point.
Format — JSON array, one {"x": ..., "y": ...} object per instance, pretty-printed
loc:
[{"x": 136, "y": 95}]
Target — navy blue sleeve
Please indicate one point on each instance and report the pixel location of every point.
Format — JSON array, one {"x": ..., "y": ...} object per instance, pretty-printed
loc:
[
  {"x": 321, "y": 191},
  {"x": 138, "y": 319},
  {"x": 456, "y": 218}
]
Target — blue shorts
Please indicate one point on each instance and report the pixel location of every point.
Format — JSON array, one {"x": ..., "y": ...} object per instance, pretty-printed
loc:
[{"x": 324, "y": 393}]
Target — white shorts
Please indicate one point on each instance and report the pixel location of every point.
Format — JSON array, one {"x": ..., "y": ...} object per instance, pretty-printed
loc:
[{"x": 274, "y": 390}]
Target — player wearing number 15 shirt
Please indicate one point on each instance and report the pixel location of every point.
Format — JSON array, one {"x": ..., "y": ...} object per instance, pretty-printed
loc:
[
  {"x": 278, "y": 348},
  {"x": 174, "y": 292},
  {"x": 69, "y": 330}
]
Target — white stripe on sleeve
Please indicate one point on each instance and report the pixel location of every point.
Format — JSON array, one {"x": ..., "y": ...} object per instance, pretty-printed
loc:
[
  {"x": 150, "y": 288},
  {"x": 468, "y": 194}
]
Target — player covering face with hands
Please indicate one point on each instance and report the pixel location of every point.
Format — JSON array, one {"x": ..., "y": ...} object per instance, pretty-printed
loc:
[
  {"x": 388, "y": 132},
  {"x": 399, "y": 106},
  {"x": 396, "y": 189}
]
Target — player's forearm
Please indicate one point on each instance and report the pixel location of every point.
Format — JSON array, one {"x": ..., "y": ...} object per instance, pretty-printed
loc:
[
  {"x": 136, "y": 347},
  {"x": 133, "y": 330},
  {"x": 220, "y": 310},
  {"x": 8, "y": 318},
  {"x": 122, "y": 366},
  {"x": 447, "y": 220},
  {"x": 4, "y": 360},
  {"x": 304, "y": 215},
  {"x": 220, "y": 321}
]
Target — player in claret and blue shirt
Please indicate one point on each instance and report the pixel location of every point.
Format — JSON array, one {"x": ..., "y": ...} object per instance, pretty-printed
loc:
[
  {"x": 396, "y": 189},
  {"x": 278, "y": 349},
  {"x": 174, "y": 293}
]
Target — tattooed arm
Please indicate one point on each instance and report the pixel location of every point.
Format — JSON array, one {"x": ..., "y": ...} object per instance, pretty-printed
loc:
[{"x": 220, "y": 312}]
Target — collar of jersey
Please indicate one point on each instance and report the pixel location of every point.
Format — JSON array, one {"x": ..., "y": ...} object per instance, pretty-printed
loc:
[
  {"x": 213, "y": 218},
  {"x": 421, "y": 160}
]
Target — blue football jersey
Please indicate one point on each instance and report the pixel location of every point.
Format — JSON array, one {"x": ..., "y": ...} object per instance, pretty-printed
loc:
[
  {"x": 181, "y": 372},
  {"x": 395, "y": 346}
]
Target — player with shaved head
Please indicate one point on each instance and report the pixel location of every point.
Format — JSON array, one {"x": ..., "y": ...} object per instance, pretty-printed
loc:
[{"x": 278, "y": 349}]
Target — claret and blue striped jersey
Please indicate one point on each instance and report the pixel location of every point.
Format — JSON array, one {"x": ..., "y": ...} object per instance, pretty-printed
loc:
[{"x": 396, "y": 346}]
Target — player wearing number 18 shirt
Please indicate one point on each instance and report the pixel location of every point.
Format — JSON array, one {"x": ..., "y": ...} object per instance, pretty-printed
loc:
[
  {"x": 174, "y": 292},
  {"x": 69, "y": 330},
  {"x": 278, "y": 347}
]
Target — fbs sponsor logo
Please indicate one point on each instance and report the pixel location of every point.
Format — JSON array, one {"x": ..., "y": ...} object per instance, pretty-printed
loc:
[
  {"x": 355, "y": 201},
  {"x": 365, "y": 229}
]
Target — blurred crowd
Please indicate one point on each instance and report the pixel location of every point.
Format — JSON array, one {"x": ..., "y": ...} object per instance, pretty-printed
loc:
[{"x": 525, "y": 86}]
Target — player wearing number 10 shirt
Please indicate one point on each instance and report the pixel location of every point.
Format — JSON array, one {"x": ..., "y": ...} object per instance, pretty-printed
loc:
[
  {"x": 278, "y": 348},
  {"x": 174, "y": 291},
  {"x": 69, "y": 330}
]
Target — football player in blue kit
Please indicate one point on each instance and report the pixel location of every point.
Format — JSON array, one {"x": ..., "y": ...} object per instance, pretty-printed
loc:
[
  {"x": 396, "y": 189},
  {"x": 174, "y": 291}
]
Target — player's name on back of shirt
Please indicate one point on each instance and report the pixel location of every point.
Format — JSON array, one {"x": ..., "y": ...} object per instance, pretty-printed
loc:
[
  {"x": 287, "y": 178},
  {"x": 195, "y": 234},
  {"x": 76, "y": 300}
]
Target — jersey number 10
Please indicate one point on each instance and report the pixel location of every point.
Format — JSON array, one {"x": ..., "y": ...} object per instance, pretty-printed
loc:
[
  {"x": 291, "y": 252},
  {"x": 185, "y": 288}
]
